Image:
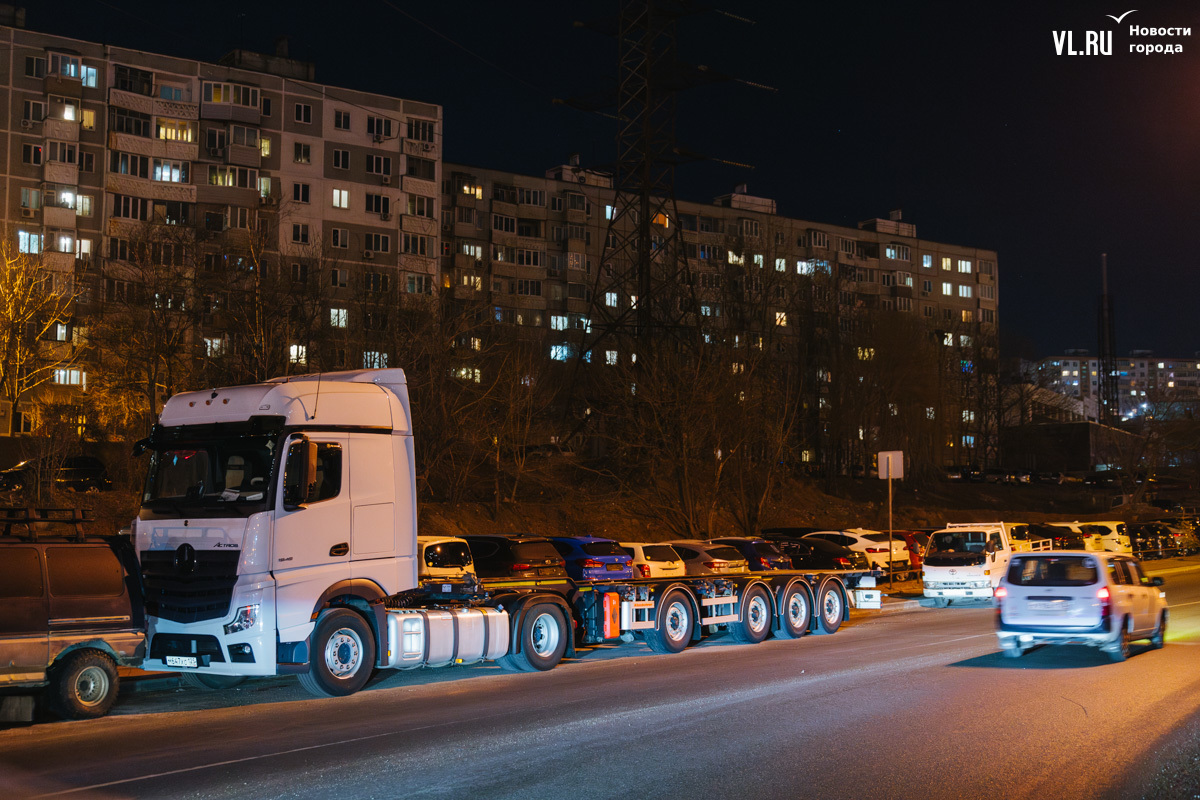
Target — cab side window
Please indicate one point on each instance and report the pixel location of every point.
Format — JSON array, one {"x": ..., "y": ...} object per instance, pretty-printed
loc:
[
  {"x": 1116, "y": 573},
  {"x": 329, "y": 471},
  {"x": 1137, "y": 577}
]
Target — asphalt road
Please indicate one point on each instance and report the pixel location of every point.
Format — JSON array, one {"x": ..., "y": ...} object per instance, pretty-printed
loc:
[{"x": 909, "y": 705}]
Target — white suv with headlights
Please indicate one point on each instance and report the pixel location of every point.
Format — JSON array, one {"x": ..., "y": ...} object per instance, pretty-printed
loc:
[{"x": 1078, "y": 597}]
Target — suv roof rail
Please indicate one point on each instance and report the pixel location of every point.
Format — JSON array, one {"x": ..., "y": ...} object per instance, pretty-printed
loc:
[
  {"x": 42, "y": 521},
  {"x": 974, "y": 524}
]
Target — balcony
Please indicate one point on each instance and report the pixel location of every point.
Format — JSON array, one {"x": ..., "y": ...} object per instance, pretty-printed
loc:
[
  {"x": 229, "y": 111},
  {"x": 243, "y": 156},
  {"x": 64, "y": 130},
  {"x": 176, "y": 109},
  {"x": 64, "y": 87},
  {"x": 60, "y": 172},
  {"x": 128, "y": 143},
  {"x": 62, "y": 262},
  {"x": 418, "y": 186},
  {"x": 131, "y": 100},
  {"x": 155, "y": 190},
  {"x": 421, "y": 149},
  {"x": 58, "y": 217},
  {"x": 421, "y": 225}
]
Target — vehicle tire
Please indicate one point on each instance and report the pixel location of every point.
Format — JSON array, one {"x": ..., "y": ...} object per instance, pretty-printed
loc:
[
  {"x": 343, "y": 655},
  {"x": 755, "y": 623},
  {"x": 1120, "y": 651},
  {"x": 84, "y": 685},
  {"x": 210, "y": 683},
  {"x": 941, "y": 602},
  {"x": 673, "y": 631},
  {"x": 1012, "y": 651},
  {"x": 831, "y": 607},
  {"x": 543, "y": 640},
  {"x": 1159, "y": 638},
  {"x": 795, "y": 612}
]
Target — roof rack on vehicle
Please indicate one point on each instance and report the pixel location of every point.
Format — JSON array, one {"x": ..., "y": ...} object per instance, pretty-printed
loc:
[
  {"x": 30, "y": 523},
  {"x": 974, "y": 524}
]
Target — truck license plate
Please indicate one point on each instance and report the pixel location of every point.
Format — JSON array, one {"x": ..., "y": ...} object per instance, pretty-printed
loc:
[{"x": 181, "y": 661}]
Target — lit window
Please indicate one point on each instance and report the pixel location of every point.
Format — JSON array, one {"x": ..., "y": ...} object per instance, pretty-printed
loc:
[
  {"x": 298, "y": 354},
  {"x": 781, "y": 319},
  {"x": 338, "y": 317},
  {"x": 341, "y": 198},
  {"x": 610, "y": 299},
  {"x": 948, "y": 289},
  {"x": 374, "y": 359},
  {"x": 610, "y": 357}
]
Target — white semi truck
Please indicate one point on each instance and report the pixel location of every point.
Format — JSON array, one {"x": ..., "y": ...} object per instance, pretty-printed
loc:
[{"x": 278, "y": 535}]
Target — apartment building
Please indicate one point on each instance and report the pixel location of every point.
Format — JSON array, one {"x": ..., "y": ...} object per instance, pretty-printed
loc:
[
  {"x": 1144, "y": 380},
  {"x": 118, "y": 157}
]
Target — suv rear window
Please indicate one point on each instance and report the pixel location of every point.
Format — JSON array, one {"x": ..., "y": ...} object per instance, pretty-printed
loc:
[
  {"x": 535, "y": 551},
  {"x": 725, "y": 553},
  {"x": 447, "y": 554},
  {"x": 1053, "y": 571},
  {"x": 602, "y": 549},
  {"x": 660, "y": 552},
  {"x": 766, "y": 549}
]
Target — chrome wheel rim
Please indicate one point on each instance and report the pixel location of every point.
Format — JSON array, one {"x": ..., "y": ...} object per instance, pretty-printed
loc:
[
  {"x": 831, "y": 608},
  {"x": 797, "y": 610},
  {"x": 544, "y": 636},
  {"x": 676, "y": 622},
  {"x": 757, "y": 613},
  {"x": 343, "y": 653}
]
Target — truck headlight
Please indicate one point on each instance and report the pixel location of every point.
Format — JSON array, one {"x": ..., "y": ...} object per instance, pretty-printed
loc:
[{"x": 245, "y": 618}]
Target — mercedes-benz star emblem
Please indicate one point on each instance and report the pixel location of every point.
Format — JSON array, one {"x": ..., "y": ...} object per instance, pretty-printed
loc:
[{"x": 185, "y": 559}]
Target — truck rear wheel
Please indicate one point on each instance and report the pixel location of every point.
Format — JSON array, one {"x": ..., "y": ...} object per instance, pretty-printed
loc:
[
  {"x": 543, "y": 640},
  {"x": 210, "y": 683},
  {"x": 830, "y": 608},
  {"x": 343, "y": 655},
  {"x": 674, "y": 628},
  {"x": 84, "y": 685},
  {"x": 755, "y": 623},
  {"x": 795, "y": 612}
]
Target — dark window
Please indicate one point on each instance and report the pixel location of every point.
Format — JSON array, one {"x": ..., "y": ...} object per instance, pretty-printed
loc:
[
  {"x": 448, "y": 554},
  {"x": 685, "y": 552},
  {"x": 1053, "y": 571},
  {"x": 483, "y": 548},
  {"x": 329, "y": 471},
  {"x": 84, "y": 572},
  {"x": 766, "y": 549},
  {"x": 534, "y": 551},
  {"x": 603, "y": 549},
  {"x": 421, "y": 168},
  {"x": 725, "y": 553},
  {"x": 20, "y": 572},
  {"x": 660, "y": 552}
]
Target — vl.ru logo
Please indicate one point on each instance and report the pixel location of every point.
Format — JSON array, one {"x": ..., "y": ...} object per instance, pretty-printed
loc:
[{"x": 1095, "y": 43}]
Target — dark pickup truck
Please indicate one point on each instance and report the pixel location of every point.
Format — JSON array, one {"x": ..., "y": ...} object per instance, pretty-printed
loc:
[{"x": 70, "y": 613}]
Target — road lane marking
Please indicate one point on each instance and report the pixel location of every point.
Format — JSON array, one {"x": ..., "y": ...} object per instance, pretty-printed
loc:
[{"x": 1181, "y": 605}]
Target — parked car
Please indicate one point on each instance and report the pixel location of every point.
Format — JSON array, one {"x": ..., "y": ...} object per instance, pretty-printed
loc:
[
  {"x": 702, "y": 557},
  {"x": 997, "y": 475},
  {"x": 1077, "y": 597},
  {"x": 1184, "y": 530},
  {"x": 817, "y": 554},
  {"x": 1100, "y": 479},
  {"x": 444, "y": 558},
  {"x": 1061, "y": 537},
  {"x": 654, "y": 560},
  {"x": 1150, "y": 539},
  {"x": 590, "y": 558},
  {"x": 1091, "y": 539},
  {"x": 75, "y": 474},
  {"x": 873, "y": 543},
  {"x": 82, "y": 474},
  {"x": 72, "y": 614},
  {"x": 1113, "y": 536},
  {"x": 760, "y": 554},
  {"x": 917, "y": 542},
  {"x": 514, "y": 555}
]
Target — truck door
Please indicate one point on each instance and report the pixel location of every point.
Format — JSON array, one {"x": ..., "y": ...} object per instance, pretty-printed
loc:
[
  {"x": 312, "y": 543},
  {"x": 376, "y": 552},
  {"x": 997, "y": 563},
  {"x": 23, "y": 624}
]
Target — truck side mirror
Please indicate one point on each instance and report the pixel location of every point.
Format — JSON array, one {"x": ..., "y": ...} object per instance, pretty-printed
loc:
[{"x": 300, "y": 473}]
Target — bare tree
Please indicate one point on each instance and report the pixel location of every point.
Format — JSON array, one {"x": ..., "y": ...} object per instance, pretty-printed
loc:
[{"x": 34, "y": 302}]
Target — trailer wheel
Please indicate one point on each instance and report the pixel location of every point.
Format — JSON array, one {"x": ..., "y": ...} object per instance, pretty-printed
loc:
[
  {"x": 673, "y": 630},
  {"x": 84, "y": 685},
  {"x": 210, "y": 683},
  {"x": 830, "y": 608},
  {"x": 755, "y": 623},
  {"x": 343, "y": 654},
  {"x": 795, "y": 613},
  {"x": 543, "y": 640}
]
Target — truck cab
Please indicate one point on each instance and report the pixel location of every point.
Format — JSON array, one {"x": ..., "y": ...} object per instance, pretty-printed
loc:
[
  {"x": 266, "y": 504},
  {"x": 966, "y": 560}
]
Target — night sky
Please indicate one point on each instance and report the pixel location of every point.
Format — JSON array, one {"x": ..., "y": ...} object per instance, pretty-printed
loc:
[{"x": 961, "y": 114}]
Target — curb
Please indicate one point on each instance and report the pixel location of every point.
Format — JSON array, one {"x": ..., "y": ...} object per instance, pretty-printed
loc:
[
  {"x": 1170, "y": 570},
  {"x": 892, "y": 607}
]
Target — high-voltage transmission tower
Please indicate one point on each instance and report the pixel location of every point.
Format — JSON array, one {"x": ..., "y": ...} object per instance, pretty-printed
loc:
[{"x": 1109, "y": 404}]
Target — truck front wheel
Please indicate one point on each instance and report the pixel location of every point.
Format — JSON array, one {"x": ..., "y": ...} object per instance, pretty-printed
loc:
[
  {"x": 210, "y": 683},
  {"x": 85, "y": 685},
  {"x": 543, "y": 640},
  {"x": 343, "y": 655}
]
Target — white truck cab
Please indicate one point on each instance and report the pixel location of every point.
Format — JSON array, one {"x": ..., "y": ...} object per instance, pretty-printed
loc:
[
  {"x": 967, "y": 560},
  {"x": 264, "y": 501}
]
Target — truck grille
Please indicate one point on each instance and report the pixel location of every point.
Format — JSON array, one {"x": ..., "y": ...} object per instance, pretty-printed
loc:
[{"x": 189, "y": 587}]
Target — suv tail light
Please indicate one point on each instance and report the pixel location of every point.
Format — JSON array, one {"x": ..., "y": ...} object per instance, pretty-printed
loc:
[
  {"x": 842, "y": 562},
  {"x": 521, "y": 567},
  {"x": 764, "y": 563},
  {"x": 1000, "y": 593},
  {"x": 589, "y": 563},
  {"x": 644, "y": 569},
  {"x": 876, "y": 550},
  {"x": 1105, "y": 602},
  {"x": 712, "y": 564}
]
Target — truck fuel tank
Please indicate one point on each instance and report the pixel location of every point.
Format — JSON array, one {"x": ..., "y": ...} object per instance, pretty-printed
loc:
[{"x": 437, "y": 637}]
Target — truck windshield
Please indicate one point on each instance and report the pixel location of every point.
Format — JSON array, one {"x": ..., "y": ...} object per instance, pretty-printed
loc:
[
  {"x": 214, "y": 474},
  {"x": 957, "y": 542}
]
